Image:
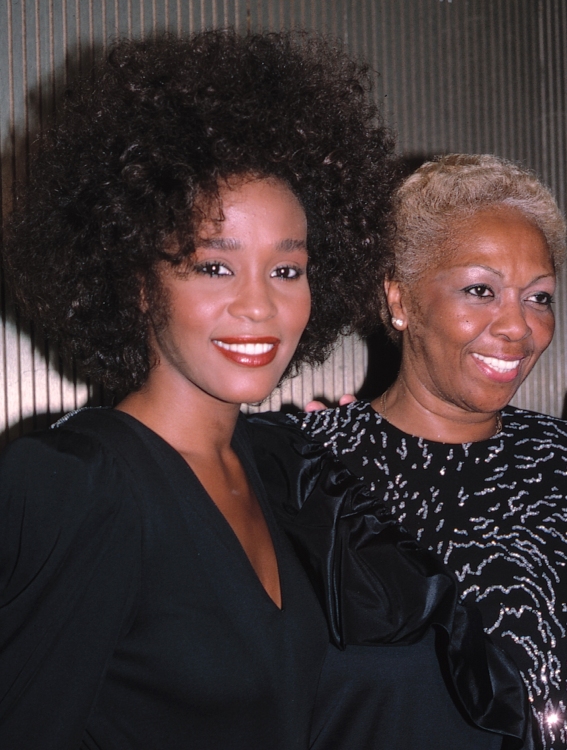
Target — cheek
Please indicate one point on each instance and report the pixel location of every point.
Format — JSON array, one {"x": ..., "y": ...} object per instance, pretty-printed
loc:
[
  {"x": 468, "y": 326},
  {"x": 458, "y": 322},
  {"x": 542, "y": 331},
  {"x": 441, "y": 324},
  {"x": 299, "y": 312}
]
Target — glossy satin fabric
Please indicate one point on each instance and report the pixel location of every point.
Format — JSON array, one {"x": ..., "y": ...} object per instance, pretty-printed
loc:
[{"x": 376, "y": 584}]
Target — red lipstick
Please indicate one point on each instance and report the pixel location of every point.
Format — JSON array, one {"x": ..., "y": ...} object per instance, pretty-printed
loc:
[{"x": 247, "y": 351}]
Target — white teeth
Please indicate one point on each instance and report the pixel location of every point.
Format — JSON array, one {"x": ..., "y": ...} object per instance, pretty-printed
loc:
[
  {"x": 250, "y": 349},
  {"x": 501, "y": 365}
]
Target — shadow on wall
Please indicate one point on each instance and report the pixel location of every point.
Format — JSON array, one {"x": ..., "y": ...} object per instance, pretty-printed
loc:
[
  {"x": 29, "y": 359},
  {"x": 383, "y": 365},
  {"x": 41, "y": 420},
  {"x": 383, "y": 355}
]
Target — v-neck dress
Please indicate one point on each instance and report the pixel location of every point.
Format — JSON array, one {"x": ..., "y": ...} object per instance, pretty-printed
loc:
[
  {"x": 130, "y": 616},
  {"x": 495, "y": 512}
]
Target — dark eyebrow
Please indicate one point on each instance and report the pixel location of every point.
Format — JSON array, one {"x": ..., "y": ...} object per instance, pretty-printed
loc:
[
  {"x": 217, "y": 243},
  {"x": 224, "y": 243}
]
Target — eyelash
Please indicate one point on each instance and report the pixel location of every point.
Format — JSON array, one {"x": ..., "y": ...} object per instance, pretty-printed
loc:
[
  {"x": 296, "y": 271},
  {"x": 484, "y": 287},
  {"x": 547, "y": 301},
  {"x": 212, "y": 268},
  {"x": 547, "y": 298}
]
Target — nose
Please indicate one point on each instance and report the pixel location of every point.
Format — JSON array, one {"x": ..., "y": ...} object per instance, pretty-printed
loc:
[
  {"x": 253, "y": 299},
  {"x": 511, "y": 321}
]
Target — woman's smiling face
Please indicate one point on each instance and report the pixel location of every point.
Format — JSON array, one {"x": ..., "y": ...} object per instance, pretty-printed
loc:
[
  {"x": 476, "y": 324},
  {"x": 236, "y": 316}
]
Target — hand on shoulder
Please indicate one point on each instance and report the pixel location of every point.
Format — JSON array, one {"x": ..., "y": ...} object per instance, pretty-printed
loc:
[{"x": 319, "y": 405}]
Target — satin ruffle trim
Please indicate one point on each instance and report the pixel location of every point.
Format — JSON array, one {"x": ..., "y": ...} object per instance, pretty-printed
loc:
[{"x": 375, "y": 583}]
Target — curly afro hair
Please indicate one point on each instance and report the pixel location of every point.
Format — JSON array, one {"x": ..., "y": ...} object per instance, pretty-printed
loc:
[{"x": 162, "y": 121}]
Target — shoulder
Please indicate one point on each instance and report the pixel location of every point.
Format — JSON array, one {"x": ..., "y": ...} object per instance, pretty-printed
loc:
[
  {"x": 275, "y": 433},
  {"x": 533, "y": 425},
  {"x": 72, "y": 452},
  {"x": 60, "y": 489},
  {"x": 50, "y": 458},
  {"x": 535, "y": 446},
  {"x": 340, "y": 427}
]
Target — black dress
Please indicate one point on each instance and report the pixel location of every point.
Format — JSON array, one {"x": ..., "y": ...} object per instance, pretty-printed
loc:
[
  {"x": 408, "y": 665},
  {"x": 495, "y": 512},
  {"x": 130, "y": 616}
]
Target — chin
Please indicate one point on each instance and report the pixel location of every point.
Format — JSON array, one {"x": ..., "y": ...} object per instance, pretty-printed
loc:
[
  {"x": 247, "y": 395},
  {"x": 492, "y": 404}
]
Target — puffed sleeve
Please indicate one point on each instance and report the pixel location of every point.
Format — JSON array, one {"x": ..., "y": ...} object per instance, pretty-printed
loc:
[
  {"x": 69, "y": 571},
  {"x": 376, "y": 584}
]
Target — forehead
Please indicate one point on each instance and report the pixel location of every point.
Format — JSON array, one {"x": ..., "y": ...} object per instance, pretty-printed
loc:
[
  {"x": 252, "y": 206},
  {"x": 497, "y": 237}
]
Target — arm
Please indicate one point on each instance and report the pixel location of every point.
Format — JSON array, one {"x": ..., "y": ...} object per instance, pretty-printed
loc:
[{"x": 69, "y": 557}]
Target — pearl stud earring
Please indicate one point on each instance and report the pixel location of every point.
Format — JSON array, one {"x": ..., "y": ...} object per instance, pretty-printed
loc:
[{"x": 397, "y": 322}]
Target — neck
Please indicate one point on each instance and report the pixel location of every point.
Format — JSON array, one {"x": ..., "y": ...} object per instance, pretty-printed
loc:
[
  {"x": 190, "y": 420},
  {"x": 416, "y": 411}
]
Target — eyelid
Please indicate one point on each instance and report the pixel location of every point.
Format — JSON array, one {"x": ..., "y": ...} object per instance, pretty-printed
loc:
[
  {"x": 204, "y": 265},
  {"x": 550, "y": 299},
  {"x": 468, "y": 289},
  {"x": 298, "y": 269}
]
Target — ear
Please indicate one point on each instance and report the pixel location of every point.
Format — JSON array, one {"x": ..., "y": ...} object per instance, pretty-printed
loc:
[{"x": 393, "y": 290}]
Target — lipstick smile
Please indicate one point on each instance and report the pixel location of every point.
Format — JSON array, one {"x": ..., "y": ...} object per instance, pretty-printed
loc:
[
  {"x": 499, "y": 370},
  {"x": 248, "y": 352}
]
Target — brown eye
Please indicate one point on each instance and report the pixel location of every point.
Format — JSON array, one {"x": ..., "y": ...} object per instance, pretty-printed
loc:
[
  {"x": 541, "y": 298},
  {"x": 479, "y": 290},
  {"x": 212, "y": 268},
  {"x": 287, "y": 273}
]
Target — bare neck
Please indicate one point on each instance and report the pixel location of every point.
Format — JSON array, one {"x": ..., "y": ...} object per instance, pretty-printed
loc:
[
  {"x": 200, "y": 427},
  {"x": 410, "y": 407},
  {"x": 191, "y": 421}
]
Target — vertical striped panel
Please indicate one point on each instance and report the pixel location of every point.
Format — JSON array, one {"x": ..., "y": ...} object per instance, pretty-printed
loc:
[{"x": 477, "y": 76}]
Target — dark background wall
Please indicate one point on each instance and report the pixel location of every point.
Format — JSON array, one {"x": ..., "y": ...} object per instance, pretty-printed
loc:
[{"x": 460, "y": 75}]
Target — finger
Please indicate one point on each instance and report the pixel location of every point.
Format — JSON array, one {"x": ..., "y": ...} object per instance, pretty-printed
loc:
[
  {"x": 348, "y": 398},
  {"x": 315, "y": 406}
]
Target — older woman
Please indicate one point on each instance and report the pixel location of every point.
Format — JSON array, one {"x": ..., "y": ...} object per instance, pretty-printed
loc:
[{"x": 469, "y": 299}]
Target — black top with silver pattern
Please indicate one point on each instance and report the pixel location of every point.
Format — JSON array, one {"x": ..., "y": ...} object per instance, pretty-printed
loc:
[{"x": 495, "y": 512}]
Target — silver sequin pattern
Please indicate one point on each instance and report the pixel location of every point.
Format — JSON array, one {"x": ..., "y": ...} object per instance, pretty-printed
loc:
[{"x": 495, "y": 512}]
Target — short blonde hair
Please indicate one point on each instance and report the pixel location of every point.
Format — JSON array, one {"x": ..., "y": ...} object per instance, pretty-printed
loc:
[{"x": 453, "y": 188}]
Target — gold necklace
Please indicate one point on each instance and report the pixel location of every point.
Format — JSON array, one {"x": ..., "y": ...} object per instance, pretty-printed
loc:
[
  {"x": 497, "y": 431},
  {"x": 383, "y": 403},
  {"x": 498, "y": 423}
]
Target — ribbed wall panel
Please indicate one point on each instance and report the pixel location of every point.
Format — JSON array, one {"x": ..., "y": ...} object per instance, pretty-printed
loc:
[{"x": 477, "y": 76}]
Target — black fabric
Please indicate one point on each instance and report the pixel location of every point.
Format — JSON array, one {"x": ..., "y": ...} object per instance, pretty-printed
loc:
[
  {"x": 376, "y": 584},
  {"x": 391, "y": 698},
  {"x": 130, "y": 616},
  {"x": 494, "y": 511}
]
